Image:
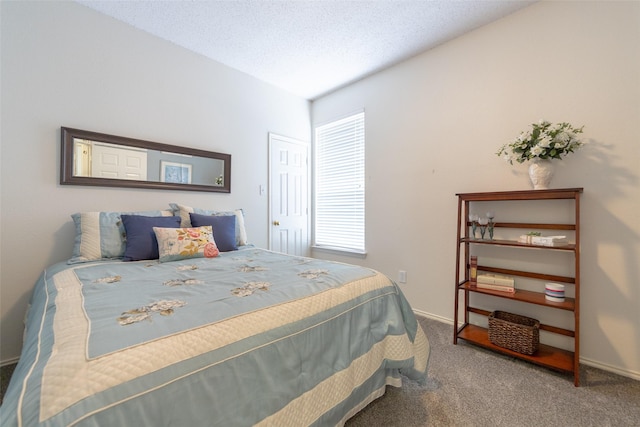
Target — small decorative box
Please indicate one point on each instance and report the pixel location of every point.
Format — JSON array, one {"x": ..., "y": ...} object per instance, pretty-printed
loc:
[{"x": 554, "y": 292}]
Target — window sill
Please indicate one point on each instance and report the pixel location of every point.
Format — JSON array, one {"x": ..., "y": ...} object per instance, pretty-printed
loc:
[{"x": 340, "y": 251}]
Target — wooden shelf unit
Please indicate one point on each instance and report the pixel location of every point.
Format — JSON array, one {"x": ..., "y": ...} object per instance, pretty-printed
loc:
[{"x": 547, "y": 356}]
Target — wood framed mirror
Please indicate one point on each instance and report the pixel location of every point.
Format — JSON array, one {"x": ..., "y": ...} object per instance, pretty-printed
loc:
[{"x": 98, "y": 159}]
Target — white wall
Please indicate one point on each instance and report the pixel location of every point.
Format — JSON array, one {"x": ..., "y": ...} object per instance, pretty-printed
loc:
[
  {"x": 66, "y": 65},
  {"x": 434, "y": 123}
]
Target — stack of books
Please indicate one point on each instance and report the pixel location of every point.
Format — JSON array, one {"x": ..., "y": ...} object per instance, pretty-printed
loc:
[
  {"x": 544, "y": 240},
  {"x": 496, "y": 282}
]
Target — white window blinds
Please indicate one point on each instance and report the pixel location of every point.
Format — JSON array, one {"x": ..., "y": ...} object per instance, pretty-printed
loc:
[{"x": 339, "y": 184}]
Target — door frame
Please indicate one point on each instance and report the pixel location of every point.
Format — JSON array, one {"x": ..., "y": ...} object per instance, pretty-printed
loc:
[{"x": 307, "y": 146}]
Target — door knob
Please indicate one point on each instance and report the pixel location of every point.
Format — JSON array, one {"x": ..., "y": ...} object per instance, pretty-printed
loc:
[{"x": 276, "y": 222}]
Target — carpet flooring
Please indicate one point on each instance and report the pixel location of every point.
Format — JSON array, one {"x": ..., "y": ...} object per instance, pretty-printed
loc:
[
  {"x": 5, "y": 376},
  {"x": 469, "y": 386}
]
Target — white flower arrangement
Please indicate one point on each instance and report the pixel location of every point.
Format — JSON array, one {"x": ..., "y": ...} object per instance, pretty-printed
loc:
[{"x": 544, "y": 141}]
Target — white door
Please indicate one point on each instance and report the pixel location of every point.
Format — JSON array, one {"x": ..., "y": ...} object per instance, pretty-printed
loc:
[
  {"x": 288, "y": 195},
  {"x": 111, "y": 161}
]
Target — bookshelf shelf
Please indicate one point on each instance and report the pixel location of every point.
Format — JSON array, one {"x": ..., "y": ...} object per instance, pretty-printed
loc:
[
  {"x": 547, "y": 356},
  {"x": 516, "y": 244},
  {"x": 524, "y": 296}
]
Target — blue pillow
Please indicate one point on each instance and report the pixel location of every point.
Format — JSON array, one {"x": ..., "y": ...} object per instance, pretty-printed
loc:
[
  {"x": 141, "y": 242},
  {"x": 183, "y": 212},
  {"x": 224, "y": 229}
]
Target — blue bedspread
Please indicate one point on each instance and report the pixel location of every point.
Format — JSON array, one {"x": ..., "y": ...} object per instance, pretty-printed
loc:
[{"x": 249, "y": 338}]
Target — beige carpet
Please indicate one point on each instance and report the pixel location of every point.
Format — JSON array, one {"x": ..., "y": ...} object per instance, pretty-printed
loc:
[{"x": 469, "y": 386}]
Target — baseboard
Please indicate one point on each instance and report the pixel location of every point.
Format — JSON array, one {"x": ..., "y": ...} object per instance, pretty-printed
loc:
[
  {"x": 433, "y": 317},
  {"x": 9, "y": 361},
  {"x": 609, "y": 368},
  {"x": 589, "y": 362}
]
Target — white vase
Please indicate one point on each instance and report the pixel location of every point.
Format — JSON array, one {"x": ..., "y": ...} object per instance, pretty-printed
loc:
[{"x": 540, "y": 173}]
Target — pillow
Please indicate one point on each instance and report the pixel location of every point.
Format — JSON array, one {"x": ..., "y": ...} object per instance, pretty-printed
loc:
[
  {"x": 184, "y": 211},
  {"x": 141, "y": 242},
  {"x": 224, "y": 229},
  {"x": 100, "y": 235},
  {"x": 182, "y": 243}
]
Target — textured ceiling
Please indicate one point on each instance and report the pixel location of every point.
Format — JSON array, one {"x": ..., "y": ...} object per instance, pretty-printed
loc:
[{"x": 307, "y": 47}]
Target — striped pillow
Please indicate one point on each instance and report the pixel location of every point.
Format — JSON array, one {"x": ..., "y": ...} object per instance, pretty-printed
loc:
[{"x": 101, "y": 235}]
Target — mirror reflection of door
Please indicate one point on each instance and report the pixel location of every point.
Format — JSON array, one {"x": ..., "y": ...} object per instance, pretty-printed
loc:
[
  {"x": 102, "y": 160},
  {"x": 288, "y": 195},
  {"x": 108, "y": 161},
  {"x": 81, "y": 158}
]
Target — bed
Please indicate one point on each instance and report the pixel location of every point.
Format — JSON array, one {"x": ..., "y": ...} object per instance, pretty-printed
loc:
[{"x": 239, "y": 337}]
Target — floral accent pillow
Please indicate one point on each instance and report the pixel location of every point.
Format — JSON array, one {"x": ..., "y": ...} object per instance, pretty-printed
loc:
[{"x": 183, "y": 243}]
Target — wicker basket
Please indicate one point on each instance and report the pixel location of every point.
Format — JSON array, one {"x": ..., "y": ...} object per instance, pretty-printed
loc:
[{"x": 514, "y": 332}]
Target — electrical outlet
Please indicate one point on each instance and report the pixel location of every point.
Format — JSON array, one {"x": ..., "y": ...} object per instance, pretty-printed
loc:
[{"x": 402, "y": 276}]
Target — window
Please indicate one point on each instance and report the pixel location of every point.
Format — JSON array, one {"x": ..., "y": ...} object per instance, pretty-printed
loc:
[{"x": 339, "y": 185}]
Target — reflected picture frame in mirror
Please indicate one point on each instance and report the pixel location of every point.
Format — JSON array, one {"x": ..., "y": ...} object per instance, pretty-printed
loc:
[{"x": 98, "y": 159}]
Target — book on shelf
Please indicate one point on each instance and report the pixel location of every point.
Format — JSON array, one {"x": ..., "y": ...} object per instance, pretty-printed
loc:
[
  {"x": 544, "y": 240},
  {"x": 496, "y": 279},
  {"x": 473, "y": 269},
  {"x": 492, "y": 287}
]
